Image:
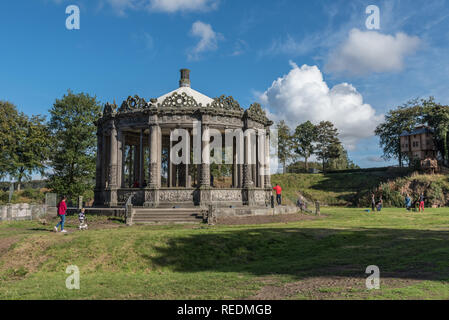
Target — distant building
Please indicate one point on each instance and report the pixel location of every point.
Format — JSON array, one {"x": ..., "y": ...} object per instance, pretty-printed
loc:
[{"x": 418, "y": 144}]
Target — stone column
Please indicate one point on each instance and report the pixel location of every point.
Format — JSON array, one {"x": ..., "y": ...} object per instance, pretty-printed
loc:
[
  {"x": 135, "y": 163},
  {"x": 205, "y": 162},
  {"x": 247, "y": 167},
  {"x": 113, "y": 159},
  {"x": 185, "y": 167},
  {"x": 98, "y": 195},
  {"x": 248, "y": 184},
  {"x": 154, "y": 183},
  {"x": 141, "y": 159},
  {"x": 98, "y": 175},
  {"x": 169, "y": 164},
  {"x": 154, "y": 157},
  {"x": 122, "y": 141},
  {"x": 205, "y": 189},
  {"x": 120, "y": 149},
  {"x": 267, "y": 172},
  {"x": 234, "y": 166},
  {"x": 112, "y": 187},
  {"x": 261, "y": 159},
  {"x": 159, "y": 155},
  {"x": 104, "y": 161}
]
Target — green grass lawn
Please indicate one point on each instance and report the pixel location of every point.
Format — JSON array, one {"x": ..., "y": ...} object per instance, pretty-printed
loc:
[{"x": 312, "y": 259}]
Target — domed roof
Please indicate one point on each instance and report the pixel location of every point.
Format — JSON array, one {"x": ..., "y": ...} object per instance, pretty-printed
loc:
[{"x": 199, "y": 97}]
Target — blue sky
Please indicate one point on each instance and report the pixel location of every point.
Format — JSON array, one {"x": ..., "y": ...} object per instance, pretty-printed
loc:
[{"x": 303, "y": 60}]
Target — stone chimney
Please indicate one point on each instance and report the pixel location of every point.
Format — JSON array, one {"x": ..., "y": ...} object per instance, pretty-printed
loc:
[{"x": 185, "y": 78}]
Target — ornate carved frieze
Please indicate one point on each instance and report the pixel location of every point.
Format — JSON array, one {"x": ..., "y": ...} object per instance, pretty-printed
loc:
[
  {"x": 226, "y": 103},
  {"x": 177, "y": 100},
  {"x": 226, "y": 195},
  {"x": 260, "y": 196},
  {"x": 175, "y": 195},
  {"x": 138, "y": 196}
]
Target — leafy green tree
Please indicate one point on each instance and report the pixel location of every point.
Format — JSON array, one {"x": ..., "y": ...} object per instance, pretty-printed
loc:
[
  {"x": 342, "y": 162},
  {"x": 9, "y": 125},
  {"x": 304, "y": 139},
  {"x": 25, "y": 143},
  {"x": 31, "y": 148},
  {"x": 73, "y": 135},
  {"x": 437, "y": 117},
  {"x": 403, "y": 118},
  {"x": 284, "y": 144},
  {"x": 328, "y": 144}
]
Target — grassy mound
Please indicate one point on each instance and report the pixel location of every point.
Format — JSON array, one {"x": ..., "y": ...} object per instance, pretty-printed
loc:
[
  {"x": 434, "y": 187},
  {"x": 354, "y": 189},
  {"x": 309, "y": 259},
  {"x": 337, "y": 189}
]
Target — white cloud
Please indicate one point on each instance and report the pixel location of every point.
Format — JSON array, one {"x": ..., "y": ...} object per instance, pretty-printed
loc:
[
  {"x": 208, "y": 39},
  {"x": 169, "y": 6},
  {"x": 183, "y": 5},
  {"x": 240, "y": 47},
  {"x": 366, "y": 52},
  {"x": 303, "y": 95}
]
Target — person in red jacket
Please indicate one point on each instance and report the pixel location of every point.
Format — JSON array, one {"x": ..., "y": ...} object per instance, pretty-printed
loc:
[
  {"x": 62, "y": 208},
  {"x": 278, "y": 194}
]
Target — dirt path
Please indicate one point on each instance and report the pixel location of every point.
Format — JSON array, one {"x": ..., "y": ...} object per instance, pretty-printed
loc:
[
  {"x": 6, "y": 243},
  {"x": 327, "y": 287}
]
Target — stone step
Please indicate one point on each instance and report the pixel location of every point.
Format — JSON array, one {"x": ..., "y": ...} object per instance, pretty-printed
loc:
[
  {"x": 161, "y": 216},
  {"x": 166, "y": 222},
  {"x": 167, "y": 215},
  {"x": 167, "y": 211},
  {"x": 165, "y": 218}
]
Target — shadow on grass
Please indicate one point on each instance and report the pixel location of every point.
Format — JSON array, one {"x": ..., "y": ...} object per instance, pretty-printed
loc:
[{"x": 408, "y": 254}]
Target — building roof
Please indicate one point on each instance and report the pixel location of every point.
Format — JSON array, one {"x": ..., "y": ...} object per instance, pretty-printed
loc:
[
  {"x": 199, "y": 97},
  {"x": 417, "y": 130}
]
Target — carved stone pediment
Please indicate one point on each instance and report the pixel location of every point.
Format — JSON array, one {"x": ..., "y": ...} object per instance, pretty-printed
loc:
[
  {"x": 133, "y": 103},
  {"x": 109, "y": 108},
  {"x": 256, "y": 113},
  {"x": 177, "y": 100},
  {"x": 227, "y": 103}
]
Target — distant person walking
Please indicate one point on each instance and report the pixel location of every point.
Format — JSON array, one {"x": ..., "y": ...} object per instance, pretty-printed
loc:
[
  {"x": 408, "y": 202},
  {"x": 62, "y": 208},
  {"x": 278, "y": 190},
  {"x": 421, "y": 202},
  {"x": 373, "y": 202}
]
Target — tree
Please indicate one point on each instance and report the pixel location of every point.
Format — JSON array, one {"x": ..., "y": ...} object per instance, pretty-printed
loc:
[
  {"x": 74, "y": 143},
  {"x": 342, "y": 162},
  {"x": 303, "y": 141},
  {"x": 328, "y": 145},
  {"x": 403, "y": 118},
  {"x": 31, "y": 148},
  {"x": 437, "y": 117},
  {"x": 9, "y": 124},
  {"x": 284, "y": 144},
  {"x": 25, "y": 143}
]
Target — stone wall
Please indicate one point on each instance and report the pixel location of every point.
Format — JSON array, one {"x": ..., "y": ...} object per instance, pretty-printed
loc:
[{"x": 22, "y": 211}]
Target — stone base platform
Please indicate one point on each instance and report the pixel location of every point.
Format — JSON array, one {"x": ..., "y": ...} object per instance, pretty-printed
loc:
[{"x": 180, "y": 214}]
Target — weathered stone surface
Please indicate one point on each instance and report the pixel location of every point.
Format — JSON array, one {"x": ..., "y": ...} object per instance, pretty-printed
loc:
[{"x": 141, "y": 124}]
